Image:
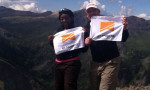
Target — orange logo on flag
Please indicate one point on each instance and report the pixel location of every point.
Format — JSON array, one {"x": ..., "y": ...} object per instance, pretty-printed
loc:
[
  {"x": 107, "y": 26},
  {"x": 68, "y": 36}
]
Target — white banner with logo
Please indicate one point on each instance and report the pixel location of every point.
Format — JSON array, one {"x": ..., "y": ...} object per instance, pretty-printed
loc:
[
  {"x": 106, "y": 28},
  {"x": 68, "y": 40}
]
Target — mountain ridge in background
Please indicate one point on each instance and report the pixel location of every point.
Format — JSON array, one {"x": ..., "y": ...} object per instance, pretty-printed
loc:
[{"x": 5, "y": 12}]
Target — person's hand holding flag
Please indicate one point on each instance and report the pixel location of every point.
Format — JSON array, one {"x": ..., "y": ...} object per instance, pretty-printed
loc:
[{"x": 125, "y": 22}]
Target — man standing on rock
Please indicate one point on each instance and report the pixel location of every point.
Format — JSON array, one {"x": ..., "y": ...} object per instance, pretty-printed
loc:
[{"x": 105, "y": 55}]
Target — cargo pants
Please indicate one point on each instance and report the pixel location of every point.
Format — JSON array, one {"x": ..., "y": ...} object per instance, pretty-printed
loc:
[{"x": 103, "y": 76}]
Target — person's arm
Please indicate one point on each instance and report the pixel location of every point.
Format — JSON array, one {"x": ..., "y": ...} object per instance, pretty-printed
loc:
[
  {"x": 50, "y": 39},
  {"x": 125, "y": 34}
]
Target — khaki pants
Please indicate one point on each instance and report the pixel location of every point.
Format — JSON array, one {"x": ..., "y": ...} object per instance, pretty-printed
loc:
[{"x": 103, "y": 76}]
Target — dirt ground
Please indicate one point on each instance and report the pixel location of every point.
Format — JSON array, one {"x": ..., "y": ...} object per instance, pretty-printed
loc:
[{"x": 135, "y": 88}]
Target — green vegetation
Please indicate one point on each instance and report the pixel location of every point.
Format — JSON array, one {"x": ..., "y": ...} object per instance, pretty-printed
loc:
[
  {"x": 24, "y": 45},
  {"x": 135, "y": 63}
]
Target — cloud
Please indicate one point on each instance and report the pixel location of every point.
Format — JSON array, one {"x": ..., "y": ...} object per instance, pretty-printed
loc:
[
  {"x": 110, "y": 0},
  {"x": 125, "y": 11},
  {"x": 23, "y": 5},
  {"x": 100, "y": 6},
  {"x": 85, "y": 3},
  {"x": 143, "y": 15},
  {"x": 6, "y": 1},
  {"x": 26, "y": 7},
  {"x": 120, "y": 2},
  {"x": 95, "y": 1},
  {"x": 103, "y": 7}
]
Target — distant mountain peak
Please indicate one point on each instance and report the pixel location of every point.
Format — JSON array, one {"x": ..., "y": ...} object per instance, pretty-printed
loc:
[{"x": 6, "y": 12}]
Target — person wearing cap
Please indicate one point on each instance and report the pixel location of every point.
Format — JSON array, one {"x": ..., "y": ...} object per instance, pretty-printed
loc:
[
  {"x": 105, "y": 61},
  {"x": 67, "y": 65}
]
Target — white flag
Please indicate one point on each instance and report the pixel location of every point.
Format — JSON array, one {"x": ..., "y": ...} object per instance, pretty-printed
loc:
[
  {"x": 106, "y": 28},
  {"x": 68, "y": 40}
]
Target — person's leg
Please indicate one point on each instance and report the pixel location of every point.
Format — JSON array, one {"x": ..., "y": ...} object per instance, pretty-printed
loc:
[
  {"x": 59, "y": 76},
  {"x": 109, "y": 75},
  {"x": 94, "y": 76},
  {"x": 71, "y": 75}
]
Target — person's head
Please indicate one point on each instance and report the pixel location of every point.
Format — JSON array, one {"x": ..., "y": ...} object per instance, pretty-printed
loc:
[
  {"x": 92, "y": 10},
  {"x": 66, "y": 18}
]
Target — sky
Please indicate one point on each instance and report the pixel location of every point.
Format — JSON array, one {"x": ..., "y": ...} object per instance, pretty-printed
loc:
[{"x": 140, "y": 8}]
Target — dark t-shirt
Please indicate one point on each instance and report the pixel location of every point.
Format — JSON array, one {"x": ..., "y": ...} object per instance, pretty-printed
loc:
[{"x": 104, "y": 50}]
